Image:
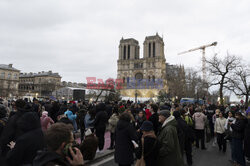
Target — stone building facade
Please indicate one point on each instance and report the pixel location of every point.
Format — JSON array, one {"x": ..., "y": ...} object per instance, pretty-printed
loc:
[
  {"x": 40, "y": 84},
  {"x": 148, "y": 70},
  {"x": 9, "y": 79}
]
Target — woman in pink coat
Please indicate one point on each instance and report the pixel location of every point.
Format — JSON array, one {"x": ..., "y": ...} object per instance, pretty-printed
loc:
[{"x": 46, "y": 121}]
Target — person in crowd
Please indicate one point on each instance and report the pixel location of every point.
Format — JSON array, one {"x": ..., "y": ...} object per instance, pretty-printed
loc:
[
  {"x": 100, "y": 125},
  {"x": 128, "y": 110},
  {"x": 89, "y": 145},
  {"x": 63, "y": 107},
  {"x": 80, "y": 118},
  {"x": 216, "y": 115},
  {"x": 154, "y": 118},
  {"x": 219, "y": 131},
  {"x": 59, "y": 139},
  {"x": 139, "y": 120},
  {"x": 71, "y": 117},
  {"x": 125, "y": 135},
  {"x": 23, "y": 151},
  {"x": 149, "y": 145},
  {"x": 247, "y": 136},
  {"x": 199, "y": 121},
  {"x": 109, "y": 109},
  {"x": 6, "y": 104},
  {"x": 229, "y": 130},
  {"x": 181, "y": 129},
  {"x": 46, "y": 121},
  {"x": 237, "y": 138},
  {"x": 186, "y": 138},
  {"x": 3, "y": 118},
  {"x": 54, "y": 109},
  {"x": 169, "y": 152},
  {"x": 187, "y": 117},
  {"x": 189, "y": 136},
  {"x": 112, "y": 125},
  {"x": 89, "y": 119},
  {"x": 148, "y": 112},
  {"x": 11, "y": 131}
]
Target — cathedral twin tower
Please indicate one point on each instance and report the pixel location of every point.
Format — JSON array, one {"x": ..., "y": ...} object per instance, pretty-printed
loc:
[{"x": 151, "y": 66}]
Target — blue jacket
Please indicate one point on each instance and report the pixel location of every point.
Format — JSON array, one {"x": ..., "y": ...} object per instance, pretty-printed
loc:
[{"x": 70, "y": 115}]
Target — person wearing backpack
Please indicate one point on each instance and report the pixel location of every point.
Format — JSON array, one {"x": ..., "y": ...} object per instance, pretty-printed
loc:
[{"x": 148, "y": 149}]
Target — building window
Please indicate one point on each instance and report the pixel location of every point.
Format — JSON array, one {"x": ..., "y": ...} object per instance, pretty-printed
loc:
[
  {"x": 128, "y": 51},
  {"x": 124, "y": 52},
  {"x": 154, "y": 49},
  {"x": 9, "y": 75},
  {"x": 149, "y": 50},
  {"x": 3, "y": 75},
  {"x": 15, "y": 76}
]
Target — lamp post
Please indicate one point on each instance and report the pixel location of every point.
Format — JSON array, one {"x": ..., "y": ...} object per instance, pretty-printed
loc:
[{"x": 136, "y": 96}]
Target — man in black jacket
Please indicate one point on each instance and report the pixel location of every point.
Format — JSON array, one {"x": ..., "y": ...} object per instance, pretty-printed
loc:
[
  {"x": 100, "y": 124},
  {"x": 154, "y": 118},
  {"x": 11, "y": 132},
  {"x": 23, "y": 151}
]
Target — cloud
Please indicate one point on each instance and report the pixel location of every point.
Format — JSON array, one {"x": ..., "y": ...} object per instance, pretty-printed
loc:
[{"x": 80, "y": 38}]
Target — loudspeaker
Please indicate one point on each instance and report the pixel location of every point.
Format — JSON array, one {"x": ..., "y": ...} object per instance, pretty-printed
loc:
[{"x": 78, "y": 94}]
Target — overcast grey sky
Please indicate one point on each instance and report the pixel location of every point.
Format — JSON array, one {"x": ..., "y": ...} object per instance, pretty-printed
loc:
[{"x": 80, "y": 38}]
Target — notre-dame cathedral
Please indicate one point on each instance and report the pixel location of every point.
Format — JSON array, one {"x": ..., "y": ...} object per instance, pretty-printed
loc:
[{"x": 151, "y": 67}]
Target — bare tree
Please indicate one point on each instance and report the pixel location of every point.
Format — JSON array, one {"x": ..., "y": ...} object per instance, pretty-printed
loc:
[
  {"x": 221, "y": 71},
  {"x": 240, "y": 82}
]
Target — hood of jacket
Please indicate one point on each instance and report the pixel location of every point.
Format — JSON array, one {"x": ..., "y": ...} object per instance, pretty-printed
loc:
[
  {"x": 28, "y": 121},
  {"x": 170, "y": 121}
]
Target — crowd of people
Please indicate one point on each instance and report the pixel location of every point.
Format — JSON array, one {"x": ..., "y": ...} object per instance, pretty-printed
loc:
[{"x": 153, "y": 134}]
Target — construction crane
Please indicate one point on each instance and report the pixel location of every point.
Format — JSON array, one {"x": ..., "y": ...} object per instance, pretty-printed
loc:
[{"x": 203, "y": 56}]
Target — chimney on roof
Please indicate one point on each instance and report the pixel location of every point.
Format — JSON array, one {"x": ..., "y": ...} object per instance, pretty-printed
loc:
[
  {"x": 10, "y": 65},
  {"x": 42, "y": 71},
  {"x": 50, "y": 72}
]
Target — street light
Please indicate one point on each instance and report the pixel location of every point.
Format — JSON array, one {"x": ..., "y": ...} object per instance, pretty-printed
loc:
[{"x": 136, "y": 96}]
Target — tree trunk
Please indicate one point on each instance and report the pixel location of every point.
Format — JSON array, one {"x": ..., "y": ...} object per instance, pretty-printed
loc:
[
  {"x": 221, "y": 94},
  {"x": 98, "y": 96},
  {"x": 246, "y": 101}
]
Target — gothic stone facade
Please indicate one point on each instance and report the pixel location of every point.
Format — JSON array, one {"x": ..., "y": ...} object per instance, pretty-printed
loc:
[{"x": 151, "y": 67}]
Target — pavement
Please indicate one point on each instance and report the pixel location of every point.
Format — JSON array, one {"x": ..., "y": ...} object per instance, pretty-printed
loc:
[{"x": 210, "y": 157}]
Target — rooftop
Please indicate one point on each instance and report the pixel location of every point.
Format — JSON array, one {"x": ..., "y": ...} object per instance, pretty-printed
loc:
[
  {"x": 128, "y": 40},
  {"x": 43, "y": 73},
  {"x": 154, "y": 37},
  {"x": 8, "y": 67}
]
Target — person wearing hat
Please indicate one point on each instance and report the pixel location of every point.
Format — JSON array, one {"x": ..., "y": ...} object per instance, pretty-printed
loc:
[
  {"x": 149, "y": 144},
  {"x": 169, "y": 152}
]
